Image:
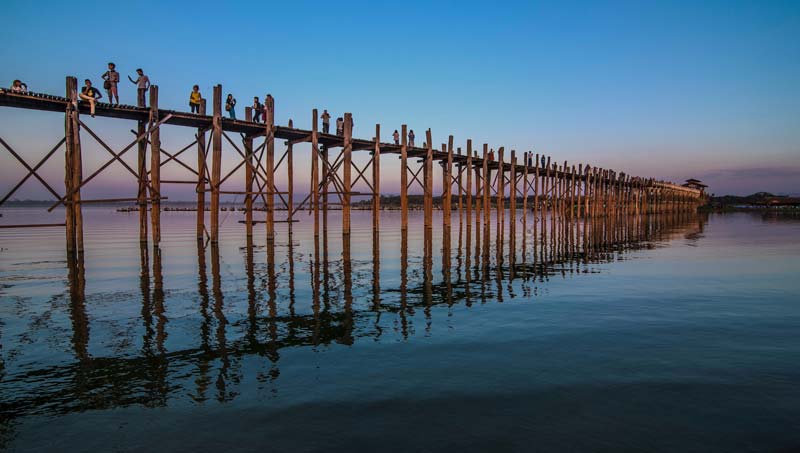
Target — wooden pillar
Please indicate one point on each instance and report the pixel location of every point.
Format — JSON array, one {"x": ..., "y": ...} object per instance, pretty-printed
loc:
[
  {"x": 269, "y": 126},
  {"x": 447, "y": 187},
  {"x": 428, "y": 181},
  {"x": 347, "y": 164},
  {"x": 404, "y": 179},
  {"x": 76, "y": 167},
  {"x": 201, "y": 176},
  {"x": 376, "y": 180},
  {"x": 69, "y": 220},
  {"x": 512, "y": 203},
  {"x": 155, "y": 167},
  {"x": 290, "y": 178},
  {"x": 216, "y": 162},
  {"x": 248, "y": 176},
  {"x": 487, "y": 188},
  {"x": 501, "y": 192},
  {"x": 536, "y": 191},
  {"x": 142, "y": 171},
  {"x": 315, "y": 169},
  {"x": 468, "y": 188}
]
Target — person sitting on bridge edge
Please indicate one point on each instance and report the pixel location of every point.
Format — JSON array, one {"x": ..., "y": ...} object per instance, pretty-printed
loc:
[
  {"x": 326, "y": 122},
  {"x": 340, "y": 126},
  {"x": 230, "y": 106},
  {"x": 411, "y": 138},
  {"x": 18, "y": 87},
  {"x": 142, "y": 83},
  {"x": 91, "y": 94},
  {"x": 257, "y": 109},
  {"x": 195, "y": 99},
  {"x": 396, "y": 137},
  {"x": 110, "y": 81}
]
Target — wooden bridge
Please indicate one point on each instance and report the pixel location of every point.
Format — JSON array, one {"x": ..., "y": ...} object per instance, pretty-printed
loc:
[{"x": 476, "y": 181}]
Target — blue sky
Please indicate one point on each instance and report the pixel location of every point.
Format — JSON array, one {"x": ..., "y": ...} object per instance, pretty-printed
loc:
[{"x": 665, "y": 89}]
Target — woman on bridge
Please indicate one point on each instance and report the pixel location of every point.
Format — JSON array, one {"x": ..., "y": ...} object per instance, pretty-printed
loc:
[{"x": 230, "y": 106}]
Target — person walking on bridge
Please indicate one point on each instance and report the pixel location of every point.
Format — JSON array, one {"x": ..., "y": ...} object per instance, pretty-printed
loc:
[
  {"x": 91, "y": 94},
  {"x": 142, "y": 83},
  {"x": 411, "y": 138},
  {"x": 110, "y": 81},
  {"x": 396, "y": 137},
  {"x": 230, "y": 106},
  {"x": 257, "y": 109},
  {"x": 195, "y": 99},
  {"x": 340, "y": 126},
  {"x": 326, "y": 122}
]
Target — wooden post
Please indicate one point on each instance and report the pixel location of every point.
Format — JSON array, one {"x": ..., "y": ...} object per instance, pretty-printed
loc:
[
  {"x": 468, "y": 189},
  {"x": 428, "y": 181},
  {"x": 216, "y": 162},
  {"x": 524, "y": 202},
  {"x": 76, "y": 167},
  {"x": 142, "y": 170},
  {"x": 155, "y": 167},
  {"x": 269, "y": 126},
  {"x": 512, "y": 203},
  {"x": 487, "y": 188},
  {"x": 69, "y": 220},
  {"x": 290, "y": 179},
  {"x": 347, "y": 164},
  {"x": 201, "y": 176},
  {"x": 501, "y": 192},
  {"x": 315, "y": 169},
  {"x": 404, "y": 179},
  {"x": 447, "y": 189},
  {"x": 248, "y": 176},
  {"x": 376, "y": 181},
  {"x": 536, "y": 191}
]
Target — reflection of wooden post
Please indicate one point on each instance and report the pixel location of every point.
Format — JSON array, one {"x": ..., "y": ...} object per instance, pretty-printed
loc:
[
  {"x": 376, "y": 180},
  {"x": 248, "y": 176},
  {"x": 201, "y": 176},
  {"x": 404, "y": 180},
  {"x": 216, "y": 162},
  {"x": 347, "y": 164},
  {"x": 315, "y": 170},
  {"x": 269, "y": 126},
  {"x": 290, "y": 178},
  {"x": 429, "y": 181},
  {"x": 155, "y": 167}
]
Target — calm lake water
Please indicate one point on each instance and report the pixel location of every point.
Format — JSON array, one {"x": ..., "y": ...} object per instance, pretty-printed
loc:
[{"x": 667, "y": 333}]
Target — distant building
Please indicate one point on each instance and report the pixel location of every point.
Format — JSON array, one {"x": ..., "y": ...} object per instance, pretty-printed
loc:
[{"x": 695, "y": 184}]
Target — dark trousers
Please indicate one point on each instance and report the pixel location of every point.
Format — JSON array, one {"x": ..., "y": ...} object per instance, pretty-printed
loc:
[
  {"x": 326, "y": 128},
  {"x": 256, "y": 116},
  {"x": 140, "y": 97}
]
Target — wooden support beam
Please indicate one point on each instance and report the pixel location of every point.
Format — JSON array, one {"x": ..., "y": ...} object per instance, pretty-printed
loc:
[
  {"x": 404, "y": 178},
  {"x": 71, "y": 89},
  {"x": 290, "y": 178},
  {"x": 142, "y": 175},
  {"x": 201, "y": 176},
  {"x": 315, "y": 170},
  {"x": 468, "y": 189},
  {"x": 216, "y": 162},
  {"x": 155, "y": 167},
  {"x": 428, "y": 178},
  {"x": 269, "y": 132},
  {"x": 376, "y": 182},
  {"x": 77, "y": 173},
  {"x": 346, "y": 173},
  {"x": 248, "y": 176},
  {"x": 447, "y": 189},
  {"x": 487, "y": 174},
  {"x": 501, "y": 190}
]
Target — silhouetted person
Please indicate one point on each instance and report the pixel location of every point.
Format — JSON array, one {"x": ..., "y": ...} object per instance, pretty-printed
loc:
[
  {"x": 340, "y": 126},
  {"x": 396, "y": 137},
  {"x": 326, "y": 122},
  {"x": 411, "y": 138},
  {"x": 91, "y": 94},
  {"x": 111, "y": 80},
  {"x": 257, "y": 110},
  {"x": 142, "y": 83}
]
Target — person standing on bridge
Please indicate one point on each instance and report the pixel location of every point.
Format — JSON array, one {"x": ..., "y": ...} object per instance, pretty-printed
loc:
[
  {"x": 396, "y": 137},
  {"x": 91, "y": 94},
  {"x": 195, "y": 99},
  {"x": 111, "y": 79},
  {"x": 257, "y": 109},
  {"x": 326, "y": 122},
  {"x": 340, "y": 126},
  {"x": 411, "y": 138},
  {"x": 142, "y": 83},
  {"x": 230, "y": 106}
]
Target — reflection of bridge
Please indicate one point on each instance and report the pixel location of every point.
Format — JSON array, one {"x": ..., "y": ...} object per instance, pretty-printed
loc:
[
  {"x": 560, "y": 188},
  {"x": 475, "y": 270}
]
